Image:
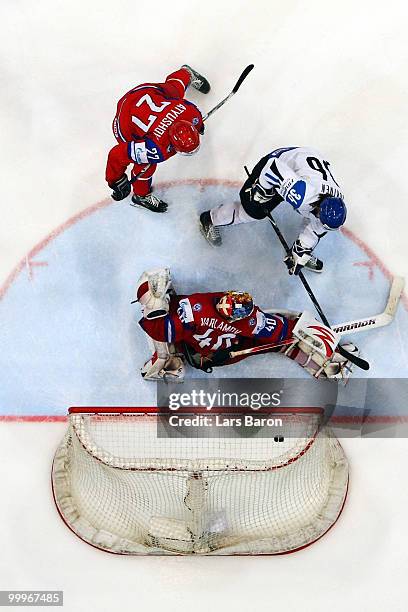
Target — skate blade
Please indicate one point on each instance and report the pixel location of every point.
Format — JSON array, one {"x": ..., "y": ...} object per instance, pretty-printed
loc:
[
  {"x": 149, "y": 210},
  {"x": 314, "y": 270},
  {"x": 202, "y": 232}
]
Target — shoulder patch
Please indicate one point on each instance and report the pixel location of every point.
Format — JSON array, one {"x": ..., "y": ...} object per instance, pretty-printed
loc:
[
  {"x": 296, "y": 194},
  {"x": 184, "y": 311},
  {"x": 260, "y": 320},
  {"x": 137, "y": 151}
]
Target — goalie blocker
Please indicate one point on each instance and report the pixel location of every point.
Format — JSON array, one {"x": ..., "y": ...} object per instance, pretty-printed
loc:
[{"x": 215, "y": 329}]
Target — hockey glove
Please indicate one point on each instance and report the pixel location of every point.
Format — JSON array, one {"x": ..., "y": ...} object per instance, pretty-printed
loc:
[
  {"x": 298, "y": 258},
  {"x": 260, "y": 195},
  {"x": 220, "y": 357},
  {"x": 121, "y": 188}
]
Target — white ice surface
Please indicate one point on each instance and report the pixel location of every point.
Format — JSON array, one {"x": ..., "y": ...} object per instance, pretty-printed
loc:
[
  {"x": 70, "y": 334},
  {"x": 331, "y": 75}
]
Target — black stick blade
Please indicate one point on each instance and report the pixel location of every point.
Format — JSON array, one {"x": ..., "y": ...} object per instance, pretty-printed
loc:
[
  {"x": 242, "y": 77},
  {"x": 360, "y": 363}
]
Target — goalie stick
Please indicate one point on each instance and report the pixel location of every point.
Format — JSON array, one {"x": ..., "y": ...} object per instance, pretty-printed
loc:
[
  {"x": 262, "y": 348},
  {"x": 237, "y": 85},
  {"x": 379, "y": 320},
  {"x": 349, "y": 327}
]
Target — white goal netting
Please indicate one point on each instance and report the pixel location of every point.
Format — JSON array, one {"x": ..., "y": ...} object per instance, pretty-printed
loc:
[{"x": 122, "y": 488}]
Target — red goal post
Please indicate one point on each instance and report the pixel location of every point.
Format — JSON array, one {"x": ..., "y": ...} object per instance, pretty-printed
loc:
[{"x": 122, "y": 488}]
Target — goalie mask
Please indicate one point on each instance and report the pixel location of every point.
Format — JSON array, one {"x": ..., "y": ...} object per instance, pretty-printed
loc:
[{"x": 235, "y": 305}]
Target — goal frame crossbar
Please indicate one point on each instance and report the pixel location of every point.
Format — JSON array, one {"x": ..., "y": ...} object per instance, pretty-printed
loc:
[{"x": 116, "y": 410}]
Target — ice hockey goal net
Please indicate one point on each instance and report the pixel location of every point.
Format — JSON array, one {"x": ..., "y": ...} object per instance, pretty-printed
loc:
[{"x": 123, "y": 489}]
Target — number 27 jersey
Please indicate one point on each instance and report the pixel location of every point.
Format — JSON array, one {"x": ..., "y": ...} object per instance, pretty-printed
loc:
[{"x": 146, "y": 113}]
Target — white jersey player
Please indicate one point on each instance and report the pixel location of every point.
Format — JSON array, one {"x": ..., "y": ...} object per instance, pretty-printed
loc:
[{"x": 300, "y": 177}]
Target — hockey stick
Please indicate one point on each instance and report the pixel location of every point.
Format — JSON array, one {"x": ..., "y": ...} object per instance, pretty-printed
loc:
[
  {"x": 361, "y": 363},
  {"x": 139, "y": 174},
  {"x": 234, "y": 91},
  {"x": 379, "y": 320},
  {"x": 360, "y": 325},
  {"x": 205, "y": 117},
  {"x": 259, "y": 349}
]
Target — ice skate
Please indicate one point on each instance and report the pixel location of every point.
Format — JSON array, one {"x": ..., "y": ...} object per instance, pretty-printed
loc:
[
  {"x": 151, "y": 202},
  {"x": 314, "y": 264},
  {"x": 197, "y": 80},
  {"x": 210, "y": 231}
]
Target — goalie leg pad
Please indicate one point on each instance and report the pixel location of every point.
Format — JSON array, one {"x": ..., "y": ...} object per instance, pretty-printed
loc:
[
  {"x": 164, "y": 364},
  {"x": 335, "y": 367}
]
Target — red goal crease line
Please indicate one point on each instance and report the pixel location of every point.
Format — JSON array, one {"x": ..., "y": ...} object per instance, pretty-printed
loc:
[
  {"x": 198, "y": 182},
  {"x": 380, "y": 419}
]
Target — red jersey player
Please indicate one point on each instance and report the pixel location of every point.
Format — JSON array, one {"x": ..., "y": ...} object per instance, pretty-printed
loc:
[
  {"x": 210, "y": 325},
  {"x": 153, "y": 122},
  {"x": 213, "y": 329}
]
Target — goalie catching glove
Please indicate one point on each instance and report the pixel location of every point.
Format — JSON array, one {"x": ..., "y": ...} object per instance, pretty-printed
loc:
[{"x": 153, "y": 293}]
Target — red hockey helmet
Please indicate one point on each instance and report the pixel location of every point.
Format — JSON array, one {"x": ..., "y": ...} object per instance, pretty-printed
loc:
[
  {"x": 184, "y": 137},
  {"x": 235, "y": 305}
]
